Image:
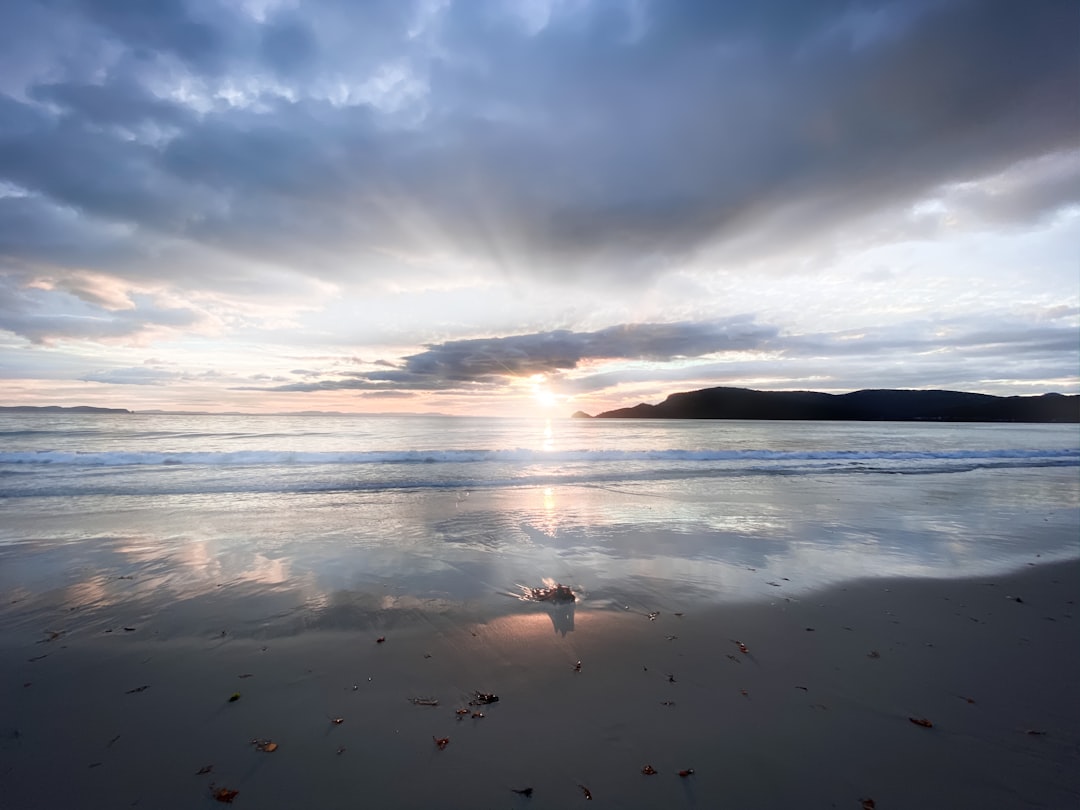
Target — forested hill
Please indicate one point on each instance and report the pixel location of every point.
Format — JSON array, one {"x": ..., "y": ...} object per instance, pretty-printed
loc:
[{"x": 872, "y": 405}]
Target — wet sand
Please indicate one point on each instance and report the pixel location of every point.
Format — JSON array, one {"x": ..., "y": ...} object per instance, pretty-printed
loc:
[{"x": 813, "y": 710}]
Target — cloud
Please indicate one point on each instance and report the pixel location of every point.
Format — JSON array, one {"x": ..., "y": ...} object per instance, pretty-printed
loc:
[
  {"x": 365, "y": 178},
  {"x": 972, "y": 353},
  {"x": 118, "y": 102},
  {"x": 968, "y": 336},
  {"x": 614, "y": 140},
  {"x": 164, "y": 26},
  {"x": 137, "y": 375},
  {"x": 736, "y": 351},
  {"x": 493, "y": 361},
  {"x": 387, "y": 395},
  {"x": 1024, "y": 194},
  {"x": 42, "y": 312}
]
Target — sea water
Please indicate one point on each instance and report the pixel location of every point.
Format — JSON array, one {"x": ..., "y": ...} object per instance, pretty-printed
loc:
[{"x": 285, "y": 522}]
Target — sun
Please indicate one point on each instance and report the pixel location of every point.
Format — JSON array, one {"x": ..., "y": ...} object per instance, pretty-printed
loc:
[
  {"x": 545, "y": 398},
  {"x": 543, "y": 395}
]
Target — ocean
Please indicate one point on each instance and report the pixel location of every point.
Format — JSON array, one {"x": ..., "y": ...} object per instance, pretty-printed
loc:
[{"x": 283, "y": 523}]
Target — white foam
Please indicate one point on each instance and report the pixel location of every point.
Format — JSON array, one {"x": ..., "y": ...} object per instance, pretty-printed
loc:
[{"x": 520, "y": 456}]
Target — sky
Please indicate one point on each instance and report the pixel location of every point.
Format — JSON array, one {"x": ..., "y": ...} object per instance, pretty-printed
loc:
[{"x": 534, "y": 206}]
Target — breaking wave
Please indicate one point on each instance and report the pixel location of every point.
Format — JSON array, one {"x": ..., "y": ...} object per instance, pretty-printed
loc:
[{"x": 256, "y": 458}]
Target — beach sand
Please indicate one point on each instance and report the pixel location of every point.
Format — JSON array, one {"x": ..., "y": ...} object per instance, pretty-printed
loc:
[{"x": 813, "y": 710}]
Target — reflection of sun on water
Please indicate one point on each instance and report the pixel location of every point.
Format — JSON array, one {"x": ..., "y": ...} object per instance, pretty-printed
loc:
[{"x": 548, "y": 520}]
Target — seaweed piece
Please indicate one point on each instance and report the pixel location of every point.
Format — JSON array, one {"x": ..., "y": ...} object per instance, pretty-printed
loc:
[
  {"x": 225, "y": 795},
  {"x": 559, "y": 593},
  {"x": 921, "y": 721}
]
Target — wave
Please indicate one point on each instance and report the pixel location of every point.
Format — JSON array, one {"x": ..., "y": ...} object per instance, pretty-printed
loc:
[
  {"x": 211, "y": 486},
  {"x": 519, "y": 456}
]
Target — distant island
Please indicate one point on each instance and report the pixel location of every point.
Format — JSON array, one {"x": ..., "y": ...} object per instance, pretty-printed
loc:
[
  {"x": 882, "y": 405},
  {"x": 58, "y": 409}
]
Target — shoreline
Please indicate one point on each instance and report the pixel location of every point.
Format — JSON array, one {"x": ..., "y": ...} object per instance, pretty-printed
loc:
[{"x": 815, "y": 713}]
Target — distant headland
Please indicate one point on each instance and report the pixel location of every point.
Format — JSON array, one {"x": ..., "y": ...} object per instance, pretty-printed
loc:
[
  {"x": 58, "y": 409},
  {"x": 882, "y": 405}
]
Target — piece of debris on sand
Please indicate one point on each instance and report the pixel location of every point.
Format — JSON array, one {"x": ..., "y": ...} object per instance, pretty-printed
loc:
[{"x": 552, "y": 592}]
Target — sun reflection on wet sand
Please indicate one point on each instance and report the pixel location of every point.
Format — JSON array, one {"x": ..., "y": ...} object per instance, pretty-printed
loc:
[
  {"x": 93, "y": 592},
  {"x": 548, "y": 519},
  {"x": 524, "y": 630}
]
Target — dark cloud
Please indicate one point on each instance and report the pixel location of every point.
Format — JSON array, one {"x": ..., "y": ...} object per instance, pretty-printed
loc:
[
  {"x": 166, "y": 26},
  {"x": 913, "y": 338},
  {"x": 288, "y": 45},
  {"x": 610, "y": 140},
  {"x": 961, "y": 353},
  {"x": 1025, "y": 195},
  {"x": 94, "y": 172},
  {"x": 33, "y": 229},
  {"x": 116, "y": 102},
  {"x": 964, "y": 348},
  {"x": 492, "y": 361}
]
